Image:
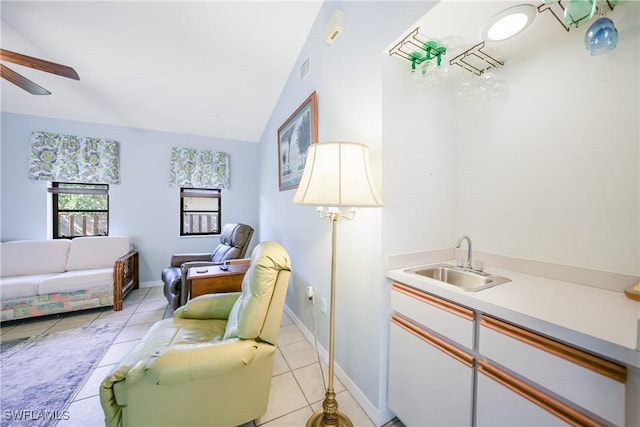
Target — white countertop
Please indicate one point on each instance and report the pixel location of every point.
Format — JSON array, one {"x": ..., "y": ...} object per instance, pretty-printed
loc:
[{"x": 602, "y": 321}]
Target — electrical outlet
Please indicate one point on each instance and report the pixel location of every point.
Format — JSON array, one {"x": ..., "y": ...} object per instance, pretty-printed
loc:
[
  {"x": 323, "y": 305},
  {"x": 311, "y": 294}
]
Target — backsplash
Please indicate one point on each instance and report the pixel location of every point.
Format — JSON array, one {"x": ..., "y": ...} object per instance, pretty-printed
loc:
[{"x": 584, "y": 276}]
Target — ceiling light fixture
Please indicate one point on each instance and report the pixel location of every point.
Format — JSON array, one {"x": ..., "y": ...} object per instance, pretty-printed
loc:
[{"x": 508, "y": 23}]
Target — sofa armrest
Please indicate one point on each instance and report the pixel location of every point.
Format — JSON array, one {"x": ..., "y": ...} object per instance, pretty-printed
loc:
[
  {"x": 178, "y": 259},
  {"x": 126, "y": 277},
  {"x": 209, "y": 306}
]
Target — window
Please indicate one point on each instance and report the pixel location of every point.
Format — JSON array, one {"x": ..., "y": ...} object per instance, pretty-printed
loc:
[
  {"x": 80, "y": 209},
  {"x": 200, "y": 211}
]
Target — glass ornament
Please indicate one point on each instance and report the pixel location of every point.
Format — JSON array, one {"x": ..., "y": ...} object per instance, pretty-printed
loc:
[
  {"x": 601, "y": 37},
  {"x": 579, "y": 11}
]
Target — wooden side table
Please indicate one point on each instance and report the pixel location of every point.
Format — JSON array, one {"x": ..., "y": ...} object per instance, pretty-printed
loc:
[{"x": 211, "y": 279}]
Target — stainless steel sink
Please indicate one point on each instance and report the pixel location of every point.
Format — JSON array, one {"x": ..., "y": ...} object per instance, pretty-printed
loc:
[{"x": 465, "y": 279}]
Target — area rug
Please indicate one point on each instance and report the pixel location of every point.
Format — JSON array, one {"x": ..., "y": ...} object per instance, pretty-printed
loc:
[{"x": 40, "y": 375}]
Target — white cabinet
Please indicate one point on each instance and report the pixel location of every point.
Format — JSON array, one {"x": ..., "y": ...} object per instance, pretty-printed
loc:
[
  {"x": 594, "y": 388},
  {"x": 427, "y": 386},
  {"x": 430, "y": 377},
  {"x": 439, "y": 315},
  {"x": 498, "y": 405},
  {"x": 451, "y": 365}
]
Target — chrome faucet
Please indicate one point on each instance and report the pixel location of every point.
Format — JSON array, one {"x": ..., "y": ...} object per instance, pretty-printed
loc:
[{"x": 459, "y": 243}]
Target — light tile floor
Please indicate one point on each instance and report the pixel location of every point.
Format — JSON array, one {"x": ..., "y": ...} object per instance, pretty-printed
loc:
[{"x": 297, "y": 389}]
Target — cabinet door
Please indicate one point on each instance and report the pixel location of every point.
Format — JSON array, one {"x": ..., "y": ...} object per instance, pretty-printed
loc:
[
  {"x": 504, "y": 400},
  {"x": 430, "y": 381},
  {"x": 586, "y": 380},
  {"x": 444, "y": 317},
  {"x": 497, "y": 405}
]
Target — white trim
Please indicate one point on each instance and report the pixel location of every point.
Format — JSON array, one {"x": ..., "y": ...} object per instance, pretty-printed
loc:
[{"x": 378, "y": 416}]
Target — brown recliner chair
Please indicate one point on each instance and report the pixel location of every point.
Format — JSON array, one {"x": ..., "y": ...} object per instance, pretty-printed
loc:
[{"x": 234, "y": 241}]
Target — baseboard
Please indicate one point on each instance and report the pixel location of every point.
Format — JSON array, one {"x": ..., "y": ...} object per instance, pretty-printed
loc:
[{"x": 379, "y": 417}]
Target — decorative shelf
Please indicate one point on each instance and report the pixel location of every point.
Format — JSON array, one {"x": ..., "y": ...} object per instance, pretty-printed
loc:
[
  {"x": 557, "y": 10},
  {"x": 417, "y": 48},
  {"x": 475, "y": 60}
]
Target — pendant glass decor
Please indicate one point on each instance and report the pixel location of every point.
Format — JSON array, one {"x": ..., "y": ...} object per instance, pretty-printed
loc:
[
  {"x": 601, "y": 37},
  {"x": 432, "y": 50},
  {"x": 579, "y": 11}
]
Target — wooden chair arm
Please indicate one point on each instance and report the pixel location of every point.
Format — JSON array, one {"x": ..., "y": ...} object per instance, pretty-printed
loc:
[{"x": 126, "y": 277}]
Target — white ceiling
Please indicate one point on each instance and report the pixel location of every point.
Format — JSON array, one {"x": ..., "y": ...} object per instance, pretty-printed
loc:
[{"x": 212, "y": 68}]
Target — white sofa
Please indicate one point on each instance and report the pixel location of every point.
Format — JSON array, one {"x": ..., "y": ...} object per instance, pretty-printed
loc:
[{"x": 40, "y": 277}]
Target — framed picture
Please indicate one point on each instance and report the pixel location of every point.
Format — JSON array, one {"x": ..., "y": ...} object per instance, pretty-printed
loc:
[{"x": 295, "y": 136}]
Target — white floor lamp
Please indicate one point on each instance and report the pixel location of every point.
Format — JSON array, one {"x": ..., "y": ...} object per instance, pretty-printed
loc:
[{"x": 336, "y": 176}]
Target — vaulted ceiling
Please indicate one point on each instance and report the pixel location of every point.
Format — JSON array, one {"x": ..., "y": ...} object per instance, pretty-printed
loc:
[{"x": 212, "y": 68}]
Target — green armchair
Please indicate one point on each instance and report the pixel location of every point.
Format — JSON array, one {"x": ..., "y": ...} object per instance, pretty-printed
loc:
[{"x": 211, "y": 364}]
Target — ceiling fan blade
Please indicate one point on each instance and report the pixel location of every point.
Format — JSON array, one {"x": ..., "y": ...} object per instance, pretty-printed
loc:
[
  {"x": 38, "y": 64},
  {"x": 21, "y": 81}
]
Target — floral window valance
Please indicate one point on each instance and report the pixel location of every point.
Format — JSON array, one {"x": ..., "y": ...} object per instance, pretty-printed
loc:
[
  {"x": 70, "y": 158},
  {"x": 195, "y": 168}
]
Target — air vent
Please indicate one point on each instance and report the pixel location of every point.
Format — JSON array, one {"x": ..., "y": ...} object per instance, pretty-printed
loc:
[{"x": 304, "y": 69}]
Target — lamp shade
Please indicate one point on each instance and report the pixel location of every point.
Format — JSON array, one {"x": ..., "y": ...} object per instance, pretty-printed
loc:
[{"x": 337, "y": 174}]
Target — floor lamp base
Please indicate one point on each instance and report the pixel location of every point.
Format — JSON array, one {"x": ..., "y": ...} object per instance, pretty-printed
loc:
[{"x": 317, "y": 420}]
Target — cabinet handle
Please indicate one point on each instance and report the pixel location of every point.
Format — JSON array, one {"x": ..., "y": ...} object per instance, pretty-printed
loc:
[
  {"x": 429, "y": 299},
  {"x": 435, "y": 341},
  {"x": 586, "y": 360},
  {"x": 546, "y": 402}
]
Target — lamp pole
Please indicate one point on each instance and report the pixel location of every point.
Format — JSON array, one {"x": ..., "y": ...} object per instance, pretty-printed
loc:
[
  {"x": 335, "y": 174},
  {"x": 329, "y": 416}
]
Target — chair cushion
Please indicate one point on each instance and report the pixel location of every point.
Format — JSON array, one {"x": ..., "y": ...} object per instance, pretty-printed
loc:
[
  {"x": 236, "y": 235},
  {"x": 223, "y": 253},
  {"x": 77, "y": 280},
  {"x": 233, "y": 239},
  {"x": 162, "y": 336},
  {"x": 21, "y": 286},
  {"x": 96, "y": 252},
  {"x": 249, "y": 311},
  {"x": 27, "y": 257}
]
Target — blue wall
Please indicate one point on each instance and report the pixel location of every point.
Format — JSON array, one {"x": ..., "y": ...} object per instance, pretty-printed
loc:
[
  {"x": 348, "y": 79},
  {"x": 144, "y": 206}
]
